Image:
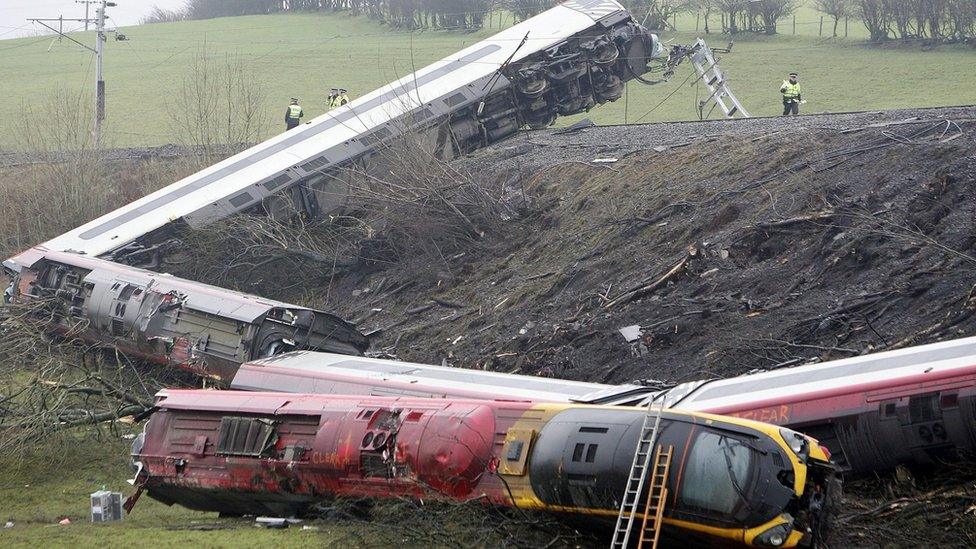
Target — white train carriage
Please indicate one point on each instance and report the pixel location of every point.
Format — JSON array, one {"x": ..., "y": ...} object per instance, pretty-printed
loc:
[
  {"x": 207, "y": 330},
  {"x": 563, "y": 61},
  {"x": 875, "y": 411}
]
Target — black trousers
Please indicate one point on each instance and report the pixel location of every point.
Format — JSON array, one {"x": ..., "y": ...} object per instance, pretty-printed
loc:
[
  {"x": 291, "y": 123},
  {"x": 791, "y": 107}
]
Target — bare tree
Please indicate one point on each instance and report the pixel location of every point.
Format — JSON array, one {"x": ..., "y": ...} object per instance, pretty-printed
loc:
[
  {"x": 405, "y": 202},
  {"x": 836, "y": 9},
  {"x": 705, "y": 8},
  {"x": 163, "y": 15},
  {"x": 772, "y": 11},
  {"x": 733, "y": 13},
  {"x": 875, "y": 18},
  {"x": 51, "y": 385},
  {"x": 218, "y": 105}
]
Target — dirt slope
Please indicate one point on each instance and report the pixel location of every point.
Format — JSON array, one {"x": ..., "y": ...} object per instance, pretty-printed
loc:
[{"x": 790, "y": 244}]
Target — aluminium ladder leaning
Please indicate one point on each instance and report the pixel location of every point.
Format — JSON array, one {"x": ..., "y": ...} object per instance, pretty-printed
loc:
[
  {"x": 657, "y": 495},
  {"x": 708, "y": 72},
  {"x": 638, "y": 472}
]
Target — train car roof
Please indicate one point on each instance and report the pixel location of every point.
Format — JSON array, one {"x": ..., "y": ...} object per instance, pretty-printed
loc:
[
  {"x": 240, "y": 402},
  {"x": 921, "y": 366},
  {"x": 310, "y": 371}
]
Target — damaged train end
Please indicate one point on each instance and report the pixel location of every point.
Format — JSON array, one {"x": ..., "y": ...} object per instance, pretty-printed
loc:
[
  {"x": 730, "y": 480},
  {"x": 167, "y": 320}
]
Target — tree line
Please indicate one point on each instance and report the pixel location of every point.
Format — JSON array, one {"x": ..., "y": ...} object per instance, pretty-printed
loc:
[{"x": 938, "y": 20}]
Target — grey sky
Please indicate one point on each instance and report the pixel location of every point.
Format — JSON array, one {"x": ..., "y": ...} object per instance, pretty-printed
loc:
[{"x": 13, "y": 13}]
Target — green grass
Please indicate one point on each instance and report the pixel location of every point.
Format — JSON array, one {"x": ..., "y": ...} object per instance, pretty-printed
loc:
[
  {"x": 304, "y": 55},
  {"x": 54, "y": 482}
]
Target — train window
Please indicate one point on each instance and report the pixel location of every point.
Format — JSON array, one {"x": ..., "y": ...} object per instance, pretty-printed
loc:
[
  {"x": 455, "y": 100},
  {"x": 414, "y": 416},
  {"x": 246, "y": 436},
  {"x": 924, "y": 408},
  {"x": 578, "y": 451},
  {"x": 514, "y": 451},
  {"x": 889, "y": 410},
  {"x": 950, "y": 400},
  {"x": 716, "y": 475},
  {"x": 591, "y": 453},
  {"x": 126, "y": 292},
  {"x": 593, "y": 429}
]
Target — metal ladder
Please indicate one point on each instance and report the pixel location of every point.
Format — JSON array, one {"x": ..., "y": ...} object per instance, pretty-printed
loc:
[
  {"x": 657, "y": 495},
  {"x": 709, "y": 72},
  {"x": 638, "y": 473}
]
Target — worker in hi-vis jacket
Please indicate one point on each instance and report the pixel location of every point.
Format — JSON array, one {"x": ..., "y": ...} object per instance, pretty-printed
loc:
[
  {"x": 791, "y": 95},
  {"x": 293, "y": 114}
]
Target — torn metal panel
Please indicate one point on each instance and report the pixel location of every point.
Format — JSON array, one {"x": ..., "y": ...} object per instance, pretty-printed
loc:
[{"x": 203, "y": 329}]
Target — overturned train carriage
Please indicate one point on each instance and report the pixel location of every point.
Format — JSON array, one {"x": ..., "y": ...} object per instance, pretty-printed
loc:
[
  {"x": 563, "y": 61},
  {"x": 273, "y": 453},
  {"x": 204, "y": 329},
  {"x": 914, "y": 405}
]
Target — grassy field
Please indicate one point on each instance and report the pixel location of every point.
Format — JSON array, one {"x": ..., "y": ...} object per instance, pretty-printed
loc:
[
  {"x": 304, "y": 55},
  {"x": 35, "y": 498}
]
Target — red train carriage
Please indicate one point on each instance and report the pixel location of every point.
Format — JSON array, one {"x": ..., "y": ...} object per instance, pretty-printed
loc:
[{"x": 276, "y": 453}]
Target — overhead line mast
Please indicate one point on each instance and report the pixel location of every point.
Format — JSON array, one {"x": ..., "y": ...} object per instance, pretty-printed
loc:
[{"x": 98, "y": 50}]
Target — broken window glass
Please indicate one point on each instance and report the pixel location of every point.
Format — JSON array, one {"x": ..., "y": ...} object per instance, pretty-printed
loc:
[{"x": 716, "y": 472}]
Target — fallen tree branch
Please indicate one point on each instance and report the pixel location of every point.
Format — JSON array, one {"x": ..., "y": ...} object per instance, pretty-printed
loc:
[{"x": 648, "y": 288}]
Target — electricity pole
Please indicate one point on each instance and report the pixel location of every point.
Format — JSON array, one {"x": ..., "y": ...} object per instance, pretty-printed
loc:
[
  {"x": 98, "y": 50},
  {"x": 99, "y": 79}
]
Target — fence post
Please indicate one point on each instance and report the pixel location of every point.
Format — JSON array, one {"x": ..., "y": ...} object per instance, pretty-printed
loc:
[
  {"x": 674, "y": 21},
  {"x": 794, "y": 25},
  {"x": 821, "y": 26},
  {"x": 845, "y": 27},
  {"x": 697, "y": 20}
]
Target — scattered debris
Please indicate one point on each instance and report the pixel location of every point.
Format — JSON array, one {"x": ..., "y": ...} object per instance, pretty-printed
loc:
[
  {"x": 631, "y": 333},
  {"x": 575, "y": 127},
  {"x": 275, "y": 523}
]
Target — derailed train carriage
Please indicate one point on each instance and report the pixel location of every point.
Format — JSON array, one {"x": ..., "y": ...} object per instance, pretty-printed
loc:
[
  {"x": 166, "y": 320},
  {"x": 913, "y": 405},
  {"x": 566, "y": 60},
  {"x": 730, "y": 479}
]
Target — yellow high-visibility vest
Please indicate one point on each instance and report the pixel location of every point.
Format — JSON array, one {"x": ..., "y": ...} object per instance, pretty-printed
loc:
[
  {"x": 338, "y": 101},
  {"x": 294, "y": 111},
  {"x": 790, "y": 91}
]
